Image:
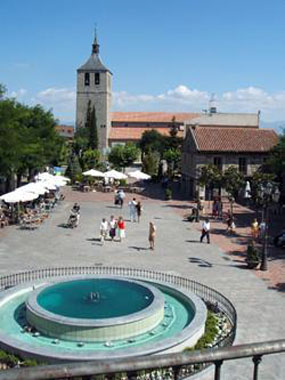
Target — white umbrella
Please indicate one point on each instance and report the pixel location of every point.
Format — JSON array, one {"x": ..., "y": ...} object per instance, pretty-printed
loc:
[
  {"x": 94, "y": 173},
  {"x": 61, "y": 177},
  {"x": 44, "y": 176},
  {"x": 34, "y": 187},
  {"x": 115, "y": 174},
  {"x": 139, "y": 175},
  {"x": 18, "y": 196},
  {"x": 49, "y": 185}
]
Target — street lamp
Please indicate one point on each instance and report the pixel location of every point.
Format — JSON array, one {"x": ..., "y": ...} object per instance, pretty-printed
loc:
[{"x": 268, "y": 194}]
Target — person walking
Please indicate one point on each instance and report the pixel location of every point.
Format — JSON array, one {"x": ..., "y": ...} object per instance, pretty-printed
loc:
[
  {"x": 112, "y": 227},
  {"x": 254, "y": 229},
  {"x": 139, "y": 210},
  {"x": 103, "y": 230},
  {"x": 121, "y": 228},
  {"x": 133, "y": 210},
  {"x": 121, "y": 196},
  {"x": 151, "y": 235},
  {"x": 205, "y": 230}
]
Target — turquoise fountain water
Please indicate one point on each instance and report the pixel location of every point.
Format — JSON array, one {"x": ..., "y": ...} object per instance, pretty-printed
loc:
[{"x": 95, "y": 298}]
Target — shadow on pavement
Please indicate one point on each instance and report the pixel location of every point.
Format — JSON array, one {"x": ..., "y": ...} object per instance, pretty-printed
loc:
[
  {"x": 138, "y": 248},
  {"x": 280, "y": 287}
]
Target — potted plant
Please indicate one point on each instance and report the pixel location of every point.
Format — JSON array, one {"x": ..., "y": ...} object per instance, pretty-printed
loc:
[
  {"x": 168, "y": 194},
  {"x": 252, "y": 256}
]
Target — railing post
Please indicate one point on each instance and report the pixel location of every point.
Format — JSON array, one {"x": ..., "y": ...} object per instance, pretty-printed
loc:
[
  {"x": 132, "y": 375},
  {"x": 176, "y": 371},
  {"x": 256, "y": 360},
  {"x": 218, "y": 365}
]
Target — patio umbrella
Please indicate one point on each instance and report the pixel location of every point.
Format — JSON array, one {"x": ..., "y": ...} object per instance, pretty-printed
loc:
[
  {"x": 94, "y": 173},
  {"x": 18, "y": 196},
  {"x": 139, "y": 175},
  {"x": 34, "y": 187},
  {"x": 115, "y": 174},
  {"x": 51, "y": 185}
]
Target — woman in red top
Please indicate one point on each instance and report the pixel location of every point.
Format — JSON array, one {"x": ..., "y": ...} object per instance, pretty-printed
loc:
[{"x": 121, "y": 228}]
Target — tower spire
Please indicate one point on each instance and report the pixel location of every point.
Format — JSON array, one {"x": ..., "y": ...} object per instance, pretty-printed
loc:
[{"x": 95, "y": 45}]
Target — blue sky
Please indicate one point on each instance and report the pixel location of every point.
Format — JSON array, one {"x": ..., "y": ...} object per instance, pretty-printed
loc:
[{"x": 165, "y": 55}]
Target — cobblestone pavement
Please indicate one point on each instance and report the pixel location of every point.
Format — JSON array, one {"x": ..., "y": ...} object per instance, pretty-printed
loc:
[
  {"x": 236, "y": 244},
  {"x": 260, "y": 309}
]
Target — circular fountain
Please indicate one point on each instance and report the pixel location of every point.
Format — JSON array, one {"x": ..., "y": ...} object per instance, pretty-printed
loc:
[
  {"x": 64, "y": 314},
  {"x": 95, "y": 309}
]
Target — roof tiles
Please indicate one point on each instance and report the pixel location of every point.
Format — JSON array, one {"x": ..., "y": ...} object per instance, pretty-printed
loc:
[
  {"x": 234, "y": 139},
  {"x": 152, "y": 117}
]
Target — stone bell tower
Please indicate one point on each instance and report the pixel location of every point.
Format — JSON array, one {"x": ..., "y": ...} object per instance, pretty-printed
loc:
[{"x": 94, "y": 84}]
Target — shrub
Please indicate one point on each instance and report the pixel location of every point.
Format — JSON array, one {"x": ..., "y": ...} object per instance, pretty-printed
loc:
[
  {"x": 211, "y": 330},
  {"x": 168, "y": 193}
]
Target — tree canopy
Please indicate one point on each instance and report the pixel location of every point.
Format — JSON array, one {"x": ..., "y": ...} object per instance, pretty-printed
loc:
[
  {"x": 122, "y": 156},
  {"x": 28, "y": 140}
]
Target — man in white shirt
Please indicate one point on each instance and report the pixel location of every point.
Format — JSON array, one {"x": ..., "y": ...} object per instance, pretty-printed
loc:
[
  {"x": 103, "y": 230},
  {"x": 205, "y": 230},
  {"x": 133, "y": 210}
]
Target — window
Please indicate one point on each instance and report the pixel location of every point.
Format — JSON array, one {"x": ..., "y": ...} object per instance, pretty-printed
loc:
[
  {"x": 218, "y": 162},
  {"x": 87, "y": 79},
  {"x": 97, "y": 78},
  {"x": 242, "y": 165}
]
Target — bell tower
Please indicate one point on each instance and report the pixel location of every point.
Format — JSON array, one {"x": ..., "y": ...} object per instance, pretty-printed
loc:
[{"x": 94, "y": 85}]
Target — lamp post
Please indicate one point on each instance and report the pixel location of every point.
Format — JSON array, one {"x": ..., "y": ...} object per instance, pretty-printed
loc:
[{"x": 268, "y": 194}]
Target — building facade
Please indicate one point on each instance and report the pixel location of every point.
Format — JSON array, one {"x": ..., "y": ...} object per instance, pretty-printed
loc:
[{"x": 244, "y": 147}]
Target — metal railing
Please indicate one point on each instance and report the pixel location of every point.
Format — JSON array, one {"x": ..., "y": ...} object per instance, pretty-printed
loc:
[
  {"x": 210, "y": 296},
  {"x": 132, "y": 368}
]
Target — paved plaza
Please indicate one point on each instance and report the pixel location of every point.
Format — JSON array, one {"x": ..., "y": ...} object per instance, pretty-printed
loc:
[{"x": 178, "y": 251}]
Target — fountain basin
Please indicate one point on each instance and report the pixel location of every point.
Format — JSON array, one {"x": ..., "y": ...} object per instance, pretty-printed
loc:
[{"x": 95, "y": 309}]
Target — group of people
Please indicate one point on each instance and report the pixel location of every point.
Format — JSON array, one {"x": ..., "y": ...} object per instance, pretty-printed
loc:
[{"x": 112, "y": 228}]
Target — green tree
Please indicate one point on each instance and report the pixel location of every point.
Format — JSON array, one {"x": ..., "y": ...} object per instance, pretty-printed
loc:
[
  {"x": 90, "y": 159},
  {"x": 150, "y": 163},
  {"x": 28, "y": 140},
  {"x": 233, "y": 181},
  {"x": 91, "y": 125},
  {"x": 173, "y": 158},
  {"x": 210, "y": 176},
  {"x": 74, "y": 171},
  {"x": 276, "y": 163},
  {"x": 258, "y": 179},
  {"x": 152, "y": 141},
  {"x": 122, "y": 156}
]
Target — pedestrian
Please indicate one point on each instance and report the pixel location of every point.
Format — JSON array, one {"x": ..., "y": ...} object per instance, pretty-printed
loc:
[
  {"x": 262, "y": 230},
  {"x": 103, "y": 230},
  {"x": 121, "y": 197},
  {"x": 220, "y": 209},
  {"x": 112, "y": 227},
  {"x": 139, "y": 210},
  {"x": 215, "y": 209},
  {"x": 133, "y": 210},
  {"x": 254, "y": 229},
  {"x": 230, "y": 225},
  {"x": 205, "y": 230},
  {"x": 151, "y": 235},
  {"x": 121, "y": 228}
]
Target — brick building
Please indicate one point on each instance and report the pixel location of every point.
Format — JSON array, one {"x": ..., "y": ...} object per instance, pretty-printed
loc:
[{"x": 231, "y": 140}]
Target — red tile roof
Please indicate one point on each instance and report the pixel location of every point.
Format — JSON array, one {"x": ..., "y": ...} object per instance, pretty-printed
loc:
[
  {"x": 234, "y": 139},
  {"x": 154, "y": 117},
  {"x": 135, "y": 133}
]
